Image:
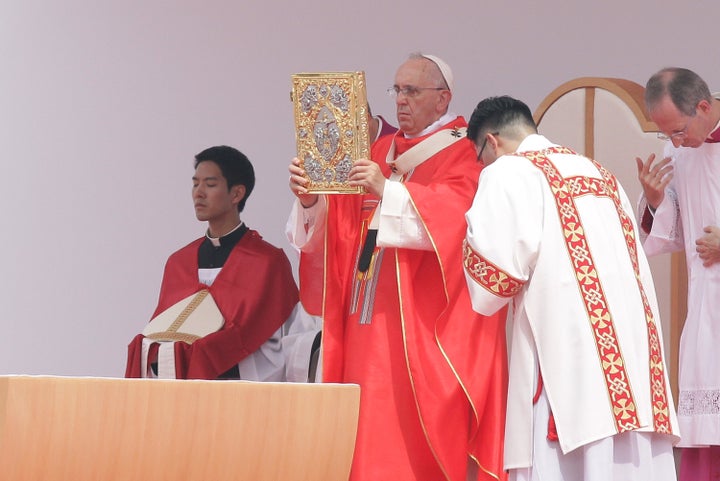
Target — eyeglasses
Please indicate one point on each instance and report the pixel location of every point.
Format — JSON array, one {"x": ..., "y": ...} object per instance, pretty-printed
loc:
[
  {"x": 479, "y": 155},
  {"x": 676, "y": 135},
  {"x": 409, "y": 91}
]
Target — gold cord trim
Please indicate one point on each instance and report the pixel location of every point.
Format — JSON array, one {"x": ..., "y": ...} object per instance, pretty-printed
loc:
[{"x": 171, "y": 334}]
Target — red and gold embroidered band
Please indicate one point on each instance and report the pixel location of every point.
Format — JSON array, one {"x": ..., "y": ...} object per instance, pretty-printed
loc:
[
  {"x": 612, "y": 362},
  {"x": 488, "y": 275},
  {"x": 658, "y": 391}
]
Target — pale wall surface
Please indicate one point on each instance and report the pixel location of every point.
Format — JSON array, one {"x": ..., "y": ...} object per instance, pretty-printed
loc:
[{"x": 104, "y": 103}]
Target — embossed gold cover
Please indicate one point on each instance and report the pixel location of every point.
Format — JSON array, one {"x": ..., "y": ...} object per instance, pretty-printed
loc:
[{"x": 331, "y": 127}]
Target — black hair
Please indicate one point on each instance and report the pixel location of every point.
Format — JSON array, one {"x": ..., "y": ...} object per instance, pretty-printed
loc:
[{"x": 495, "y": 114}]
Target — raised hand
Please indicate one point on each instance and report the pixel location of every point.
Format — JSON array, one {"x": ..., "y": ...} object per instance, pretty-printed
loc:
[
  {"x": 654, "y": 178},
  {"x": 367, "y": 174},
  {"x": 298, "y": 184}
]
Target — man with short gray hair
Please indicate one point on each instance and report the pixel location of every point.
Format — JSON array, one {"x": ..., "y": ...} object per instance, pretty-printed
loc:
[{"x": 680, "y": 210}]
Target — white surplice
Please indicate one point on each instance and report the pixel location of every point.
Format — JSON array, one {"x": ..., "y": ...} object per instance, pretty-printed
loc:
[{"x": 691, "y": 203}]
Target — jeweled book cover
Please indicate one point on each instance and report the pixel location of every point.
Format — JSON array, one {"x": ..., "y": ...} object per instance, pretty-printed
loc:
[{"x": 331, "y": 127}]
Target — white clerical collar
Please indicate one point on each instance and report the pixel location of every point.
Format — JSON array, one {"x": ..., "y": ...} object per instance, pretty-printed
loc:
[
  {"x": 433, "y": 126},
  {"x": 216, "y": 240},
  {"x": 534, "y": 142}
]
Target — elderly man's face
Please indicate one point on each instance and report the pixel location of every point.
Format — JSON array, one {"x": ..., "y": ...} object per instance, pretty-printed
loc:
[{"x": 419, "y": 108}]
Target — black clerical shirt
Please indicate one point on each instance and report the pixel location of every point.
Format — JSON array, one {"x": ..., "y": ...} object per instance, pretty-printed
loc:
[{"x": 211, "y": 256}]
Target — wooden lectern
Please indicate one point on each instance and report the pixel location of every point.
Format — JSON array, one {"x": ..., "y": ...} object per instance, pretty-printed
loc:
[{"x": 98, "y": 429}]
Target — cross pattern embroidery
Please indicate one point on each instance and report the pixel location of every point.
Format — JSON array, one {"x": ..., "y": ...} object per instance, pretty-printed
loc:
[
  {"x": 612, "y": 362},
  {"x": 658, "y": 391},
  {"x": 488, "y": 275}
]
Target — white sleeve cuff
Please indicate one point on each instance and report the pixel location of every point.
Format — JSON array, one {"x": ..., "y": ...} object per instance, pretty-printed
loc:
[
  {"x": 301, "y": 224},
  {"x": 400, "y": 225}
]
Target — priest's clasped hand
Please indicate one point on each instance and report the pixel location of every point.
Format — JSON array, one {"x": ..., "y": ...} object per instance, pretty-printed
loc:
[{"x": 708, "y": 246}]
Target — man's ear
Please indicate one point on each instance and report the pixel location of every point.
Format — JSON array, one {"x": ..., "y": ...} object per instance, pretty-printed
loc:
[
  {"x": 238, "y": 193},
  {"x": 493, "y": 141},
  {"x": 704, "y": 106},
  {"x": 444, "y": 102}
]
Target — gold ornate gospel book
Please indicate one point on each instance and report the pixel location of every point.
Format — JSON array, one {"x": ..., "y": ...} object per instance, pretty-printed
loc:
[{"x": 331, "y": 128}]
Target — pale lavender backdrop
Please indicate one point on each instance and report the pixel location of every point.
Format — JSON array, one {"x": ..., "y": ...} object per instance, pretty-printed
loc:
[{"x": 104, "y": 103}]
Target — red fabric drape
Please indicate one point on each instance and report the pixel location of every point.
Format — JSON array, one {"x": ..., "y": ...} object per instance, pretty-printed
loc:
[
  {"x": 454, "y": 358},
  {"x": 255, "y": 291}
]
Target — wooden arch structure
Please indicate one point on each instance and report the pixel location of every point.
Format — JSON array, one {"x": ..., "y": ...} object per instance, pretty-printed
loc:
[{"x": 605, "y": 118}]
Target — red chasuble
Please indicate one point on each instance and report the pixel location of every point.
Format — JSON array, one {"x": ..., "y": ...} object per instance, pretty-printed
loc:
[
  {"x": 255, "y": 291},
  {"x": 432, "y": 372}
]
